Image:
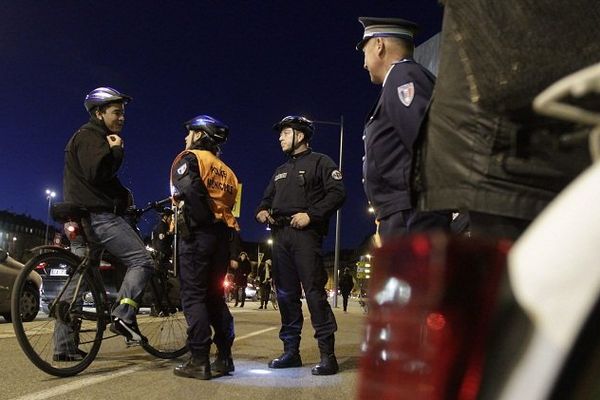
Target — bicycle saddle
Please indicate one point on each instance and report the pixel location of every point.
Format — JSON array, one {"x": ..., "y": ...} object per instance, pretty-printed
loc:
[{"x": 64, "y": 212}]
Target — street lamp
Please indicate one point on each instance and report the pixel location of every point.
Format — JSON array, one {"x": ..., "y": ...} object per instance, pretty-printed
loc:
[
  {"x": 338, "y": 214},
  {"x": 49, "y": 196},
  {"x": 258, "y": 257}
]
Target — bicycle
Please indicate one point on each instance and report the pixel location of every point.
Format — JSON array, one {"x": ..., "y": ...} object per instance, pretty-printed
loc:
[{"x": 82, "y": 306}]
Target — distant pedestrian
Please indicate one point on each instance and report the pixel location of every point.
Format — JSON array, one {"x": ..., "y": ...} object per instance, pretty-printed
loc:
[
  {"x": 240, "y": 278},
  {"x": 264, "y": 282},
  {"x": 346, "y": 286}
]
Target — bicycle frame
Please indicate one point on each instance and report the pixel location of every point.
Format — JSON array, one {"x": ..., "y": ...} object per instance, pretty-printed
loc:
[{"x": 96, "y": 280}]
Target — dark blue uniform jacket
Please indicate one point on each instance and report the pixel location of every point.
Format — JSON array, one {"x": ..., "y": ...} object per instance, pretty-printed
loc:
[{"x": 390, "y": 133}]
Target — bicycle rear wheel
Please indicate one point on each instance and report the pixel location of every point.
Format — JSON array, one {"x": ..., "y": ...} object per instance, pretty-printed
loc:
[
  {"x": 66, "y": 340},
  {"x": 165, "y": 326}
]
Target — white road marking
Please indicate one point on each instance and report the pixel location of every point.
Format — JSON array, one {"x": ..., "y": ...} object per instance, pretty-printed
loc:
[
  {"x": 72, "y": 386},
  {"x": 255, "y": 333}
]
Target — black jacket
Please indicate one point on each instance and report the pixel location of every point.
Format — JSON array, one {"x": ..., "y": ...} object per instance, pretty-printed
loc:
[
  {"x": 261, "y": 273},
  {"x": 488, "y": 159},
  {"x": 346, "y": 283},
  {"x": 241, "y": 273},
  {"x": 90, "y": 173},
  {"x": 308, "y": 182}
]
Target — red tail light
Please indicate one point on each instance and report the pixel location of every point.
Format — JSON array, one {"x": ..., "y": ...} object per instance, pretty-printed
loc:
[
  {"x": 106, "y": 266},
  {"x": 71, "y": 229},
  {"x": 41, "y": 267},
  {"x": 431, "y": 300}
]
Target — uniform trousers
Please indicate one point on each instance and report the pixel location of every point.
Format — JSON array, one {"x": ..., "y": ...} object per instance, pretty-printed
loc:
[
  {"x": 297, "y": 265},
  {"x": 409, "y": 221},
  {"x": 203, "y": 260}
]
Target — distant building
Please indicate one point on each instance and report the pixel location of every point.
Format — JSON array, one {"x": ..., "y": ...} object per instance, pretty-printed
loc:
[
  {"x": 428, "y": 53},
  {"x": 19, "y": 233}
]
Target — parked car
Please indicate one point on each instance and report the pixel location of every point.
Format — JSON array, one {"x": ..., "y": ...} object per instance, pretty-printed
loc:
[
  {"x": 54, "y": 275},
  {"x": 251, "y": 292},
  {"x": 30, "y": 301}
]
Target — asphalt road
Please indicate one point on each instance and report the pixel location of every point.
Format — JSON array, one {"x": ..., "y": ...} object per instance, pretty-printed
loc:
[{"x": 130, "y": 373}]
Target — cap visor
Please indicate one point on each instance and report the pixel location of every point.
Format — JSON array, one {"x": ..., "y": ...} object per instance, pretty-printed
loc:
[{"x": 361, "y": 44}]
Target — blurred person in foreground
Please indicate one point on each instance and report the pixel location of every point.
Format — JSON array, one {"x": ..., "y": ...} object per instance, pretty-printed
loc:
[{"x": 484, "y": 150}]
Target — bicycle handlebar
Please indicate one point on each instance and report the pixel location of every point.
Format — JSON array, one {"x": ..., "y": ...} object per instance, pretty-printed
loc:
[{"x": 153, "y": 205}]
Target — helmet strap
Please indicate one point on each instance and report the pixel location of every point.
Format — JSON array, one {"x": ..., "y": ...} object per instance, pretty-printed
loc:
[
  {"x": 205, "y": 142},
  {"x": 296, "y": 144}
]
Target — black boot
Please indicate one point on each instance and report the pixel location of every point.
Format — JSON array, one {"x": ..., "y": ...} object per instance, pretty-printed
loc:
[
  {"x": 222, "y": 365},
  {"x": 194, "y": 367},
  {"x": 289, "y": 359},
  {"x": 327, "y": 366}
]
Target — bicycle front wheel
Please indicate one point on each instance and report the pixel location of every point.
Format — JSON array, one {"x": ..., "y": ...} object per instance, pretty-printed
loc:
[
  {"x": 164, "y": 326},
  {"x": 65, "y": 338}
]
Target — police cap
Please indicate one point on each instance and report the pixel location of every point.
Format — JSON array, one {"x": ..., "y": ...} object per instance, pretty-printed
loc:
[{"x": 386, "y": 27}]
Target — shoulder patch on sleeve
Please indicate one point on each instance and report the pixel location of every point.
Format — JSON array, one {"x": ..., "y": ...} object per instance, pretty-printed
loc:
[
  {"x": 406, "y": 93},
  {"x": 336, "y": 175},
  {"x": 182, "y": 169}
]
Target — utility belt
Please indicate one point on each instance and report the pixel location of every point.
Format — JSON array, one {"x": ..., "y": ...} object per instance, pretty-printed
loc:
[
  {"x": 282, "y": 221},
  {"x": 185, "y": 227}
]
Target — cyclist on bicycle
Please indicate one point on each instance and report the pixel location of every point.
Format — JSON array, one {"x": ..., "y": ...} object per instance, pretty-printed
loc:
[
  {"x": 93, "y": 157},
  {"x": 205, "y": 189}
]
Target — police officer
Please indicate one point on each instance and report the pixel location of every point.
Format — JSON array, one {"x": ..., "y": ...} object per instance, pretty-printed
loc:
[
  {"x": 204, "y": 189},
  {"x": 301, "y": 197},
  {"x": 393, "y": 125}
]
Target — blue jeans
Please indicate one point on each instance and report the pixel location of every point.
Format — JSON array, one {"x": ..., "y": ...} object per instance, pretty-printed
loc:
[{"x": 115, "y": 235}]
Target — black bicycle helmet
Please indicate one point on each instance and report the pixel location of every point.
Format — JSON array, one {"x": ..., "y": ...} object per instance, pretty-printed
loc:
[
  {"x": 104, "y": 95},
  {"x": 215, "y": 129},
  {"x": 297, "y": 122}
]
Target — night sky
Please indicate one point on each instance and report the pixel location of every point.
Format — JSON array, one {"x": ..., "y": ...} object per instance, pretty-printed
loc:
[{"x": 247, "y": 63}]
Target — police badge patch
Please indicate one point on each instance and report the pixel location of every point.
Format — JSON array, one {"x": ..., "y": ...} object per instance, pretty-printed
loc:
[
  {"x": 406, "y": 93},
  {"x": 337, "y": 175},
  {"x": 181, "y": 170}
]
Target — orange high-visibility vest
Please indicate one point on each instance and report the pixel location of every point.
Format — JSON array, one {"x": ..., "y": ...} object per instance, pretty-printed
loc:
[{"x": 221, "y": 183}]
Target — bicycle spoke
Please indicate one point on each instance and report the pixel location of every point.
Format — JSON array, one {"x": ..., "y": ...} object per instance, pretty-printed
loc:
[{"x": 64, "y": 344}]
